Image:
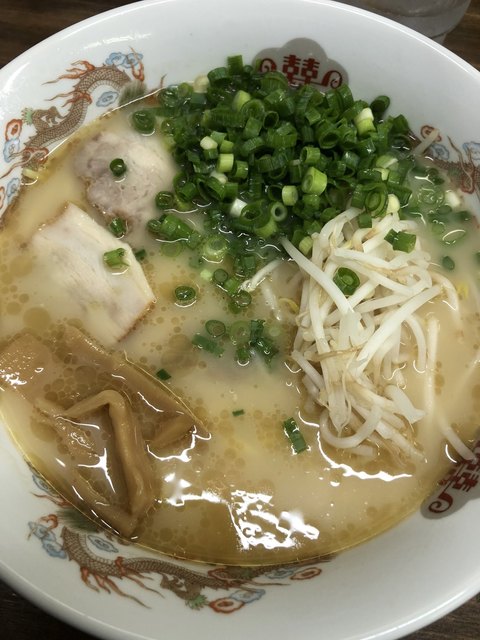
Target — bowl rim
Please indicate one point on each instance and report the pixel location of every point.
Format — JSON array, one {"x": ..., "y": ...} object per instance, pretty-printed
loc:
[{"x": 76, "y": 617}]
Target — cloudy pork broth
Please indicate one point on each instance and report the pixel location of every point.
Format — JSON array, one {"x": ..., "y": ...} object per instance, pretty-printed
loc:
[{"x": 224, "y": 483}]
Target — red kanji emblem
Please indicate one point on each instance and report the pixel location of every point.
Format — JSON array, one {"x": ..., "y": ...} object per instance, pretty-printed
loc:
[
  {"x": 309, "y": 70},
  {"x": 291, "y": 67},
  {"x": 463, "y": 477}
]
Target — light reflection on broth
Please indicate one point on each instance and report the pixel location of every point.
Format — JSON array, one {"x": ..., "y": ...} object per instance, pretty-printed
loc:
[{"x": 234, "y": 492}]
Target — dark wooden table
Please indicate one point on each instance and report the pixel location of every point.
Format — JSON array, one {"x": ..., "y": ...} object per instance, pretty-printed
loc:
[{"x": 23, "y": 23}]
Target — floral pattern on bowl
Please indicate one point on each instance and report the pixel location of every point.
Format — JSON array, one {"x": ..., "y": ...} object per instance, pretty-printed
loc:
[
  {"x": 106, "y": 566},
  {"x": 65, "y": 533}
]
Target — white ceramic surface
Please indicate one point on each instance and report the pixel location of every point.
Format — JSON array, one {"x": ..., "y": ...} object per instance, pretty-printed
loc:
[{"x": 381, "y": 590}]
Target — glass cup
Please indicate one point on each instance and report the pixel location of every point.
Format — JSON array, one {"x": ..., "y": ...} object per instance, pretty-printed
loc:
[{"x": 433, "y": 18}]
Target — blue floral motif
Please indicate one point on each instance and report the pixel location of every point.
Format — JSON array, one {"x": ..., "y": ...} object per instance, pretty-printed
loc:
[
  {"x": 280, "y": 573},
  {"x": 102, "y": 544},
  {"x": 118, "y": 59},
  {"x": 11, "y": 148},
  {"x": 115, "y": 59},
  {"x": 54, "y": 549},
  {"x": 242, "y": 595},
  {"x": 12, "y": 188},
  {"x": 472, "y": 149},
  {"x": 133, "y": 59},
  {"x": 41, "y": 531},
  {"x": 107, "y": 98},
  {"x": 439, "y": 151},
  {"x": 48, "y": 539}
]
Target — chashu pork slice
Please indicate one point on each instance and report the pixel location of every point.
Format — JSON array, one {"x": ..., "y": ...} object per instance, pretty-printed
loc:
[
  {"x": 70, "y": 251},
  {"x": 131, "y": 196}
]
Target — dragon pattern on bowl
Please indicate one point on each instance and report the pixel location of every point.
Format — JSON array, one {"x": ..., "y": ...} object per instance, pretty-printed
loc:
[{"x": 102, "y": 560}]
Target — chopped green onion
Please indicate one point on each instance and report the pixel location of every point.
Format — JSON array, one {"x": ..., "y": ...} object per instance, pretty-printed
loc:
[
  {"x": 186, "y": 192},
  {"x": 215, "y": 188},
  {"x": 314, "y": 181},
  {"x": 231, "y": 285},
  {"x": 118, "y": 167},
  {"x": 225, "y": 162},
  {"x": 162, "y": 374},
  {"x": 170, "y": 227},
  {"x": 305, "y": 245},
  {"x": 256, "y": 329},
  {"x": 185, "y": 295},
  {"x": 231, "y": 191},
  {"x": 346, "y": 280},
  {"x": 219, "y": 277},
  {"x": 114, "y": 258},
  {"x": 143, "y": 121},
  {"x": 364, "y": 121},
  {"x": 463, "y": 216},
  {"x": 289, "y": 195},
  {"x": 311, "y": 201},
  {"x": 278, "y": 212},
  {"x": 215, "y": 248},
  {"x": 262, "y": 159},
  {"x": 364, "y": 220},
  {"x": 164, "y": 200},
  {"x": 118, "y": 227},
  {"x": 208, "y": 143},
  {"x": 310, "y": 155},
  {"x": 266, "y": 348},
  {"x": 226, "y": 146},
  {"x": 239, "y": 170},
  {"x": 208, "y": 154},
  {"x": 252, "y": 128},
  {"x": 448, "y": 263},
  {"x": 252, "y": 145},
  {"x": 386, "y": 161},
  {"x": 208, "y": 344},
  {"x": 393, "y": 204},
  {"x": 245, "y": 265},
  {"x": 266, "y": 230},
  {"x": 400, "y": 124},
  {"x": 401, "y": 240},
  {"x": 206, "y": 275},
  {"x": 243, "y": 355},
  {"x": 294, "y": 435},
  {"x": 140, "y": 255},
  {"x": 380, "y": 105},
  {"x": 238, "y": 412},
  {"x": 219, "y": 75},
  {"x": 254, "y": 109},
  {"x": 239, "y": 333},
  {"x": 295, "y": 171},
  {"x": 240, "y": 301},
  {"x": 172, "y": 249},
  {"x": 235, "y": 64},
  {"x": 215, "y": 328},
  {"x": 240, "y": 99},
  {"x": 376, "y": 199}
]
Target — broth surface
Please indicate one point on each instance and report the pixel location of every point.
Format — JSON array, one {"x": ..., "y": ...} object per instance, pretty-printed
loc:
[{"x": 238, "y": 495}]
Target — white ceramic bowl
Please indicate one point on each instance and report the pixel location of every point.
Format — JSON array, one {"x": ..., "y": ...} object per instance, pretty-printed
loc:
[{"x": 384, "y": 589}]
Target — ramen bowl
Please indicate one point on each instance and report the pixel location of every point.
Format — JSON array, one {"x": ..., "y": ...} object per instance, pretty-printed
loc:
[{"x": 385, "y": 588}]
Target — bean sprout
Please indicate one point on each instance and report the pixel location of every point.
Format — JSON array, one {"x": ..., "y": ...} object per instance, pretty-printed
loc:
[{"x": 352, "y": 348}]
